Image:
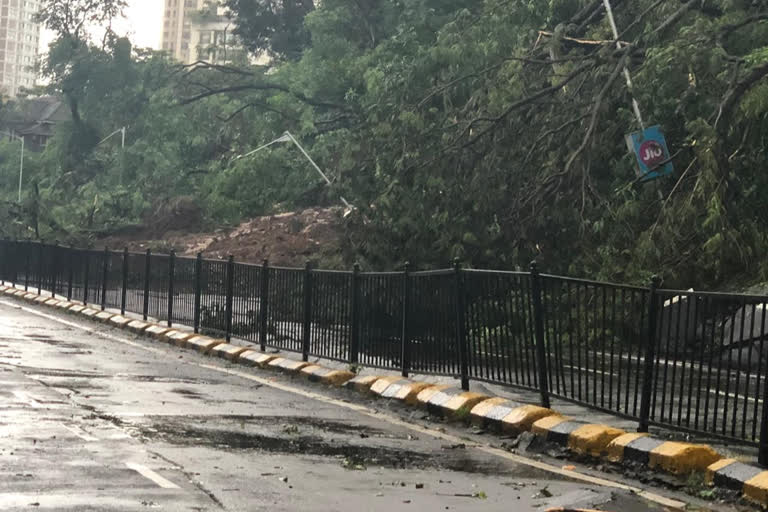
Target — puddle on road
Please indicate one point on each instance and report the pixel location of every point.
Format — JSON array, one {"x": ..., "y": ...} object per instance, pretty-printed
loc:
[{"x": 353, "y": 445}]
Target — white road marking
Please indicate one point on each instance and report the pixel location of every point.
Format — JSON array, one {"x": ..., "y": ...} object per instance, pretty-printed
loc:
[
  {"x": 82, "y": 434},
  {"x": 151, "y": 475},
  {"x": 23, "y": 397},
  {"x": 650, "y": 496}
]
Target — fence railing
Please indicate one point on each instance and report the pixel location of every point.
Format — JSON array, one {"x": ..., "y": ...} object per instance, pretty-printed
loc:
[{"x": 691, "y": 361}]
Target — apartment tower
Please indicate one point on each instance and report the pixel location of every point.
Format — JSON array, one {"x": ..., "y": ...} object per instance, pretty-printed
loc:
[
  {"x": 194, "y": 30},
  {"x": 19, "y": 42}
]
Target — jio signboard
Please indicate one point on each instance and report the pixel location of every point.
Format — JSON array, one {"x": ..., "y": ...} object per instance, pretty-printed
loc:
[{"x": 650, "y": 148}]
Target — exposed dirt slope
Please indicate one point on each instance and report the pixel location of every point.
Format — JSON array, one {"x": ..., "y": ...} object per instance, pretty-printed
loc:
[{"x": 287, "y": 239}]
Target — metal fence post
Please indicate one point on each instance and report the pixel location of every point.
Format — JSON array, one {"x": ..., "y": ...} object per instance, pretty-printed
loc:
[
  {"x": 650, "y": 357},
  {"x": 86, "y": 275},
  {"x": 306, "y": 330},
  {"x": 762, "y": 455},
  {"x": 70, "y": 272},
  {"x": 104, "y": 278},
  {"x": 198, "y": 290},
  {"x": 27, "y": 265},
  {"x": 147, "y": 268},
  {"x": 171, "y": 272},
  {"x": 54, "y": 268},
  {"x": 461, "y": 334},
  {"x": 124, "y": 293},
  {"x": 39, "y": 269},
  {"x": 230, "y": 293},
  {"x": 263, "y": 305},
  {"x": 541, "y": 349},
  {"x": 354, "y": 335},
  {"x": 405, "y": 341}
]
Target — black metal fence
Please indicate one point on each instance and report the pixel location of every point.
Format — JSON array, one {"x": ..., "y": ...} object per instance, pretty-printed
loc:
[{"x": 691, "y": 361}]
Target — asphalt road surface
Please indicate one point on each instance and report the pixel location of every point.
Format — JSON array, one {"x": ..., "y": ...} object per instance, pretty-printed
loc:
[{"x": 96, "y": 419}]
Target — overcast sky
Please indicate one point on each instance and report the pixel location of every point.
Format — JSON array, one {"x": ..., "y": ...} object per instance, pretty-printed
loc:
[{"x": 143, "y": 24}]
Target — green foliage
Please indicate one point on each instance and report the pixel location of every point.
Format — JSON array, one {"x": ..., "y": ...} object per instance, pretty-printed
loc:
[{"x": 487, "y": 130}]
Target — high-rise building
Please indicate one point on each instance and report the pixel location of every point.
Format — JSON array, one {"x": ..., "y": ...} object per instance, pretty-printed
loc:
[
  {"x": 197, "y": 30},
  {"x": 19, "y": 42}
]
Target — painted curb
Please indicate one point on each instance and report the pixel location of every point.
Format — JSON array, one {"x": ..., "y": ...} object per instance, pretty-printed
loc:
[
  {"x": 227, "y": 351},
  {"x": 362, "y": 383},
  {"x": 202, "y": 344},
  {"x": 592, "y": 439},
  {"x": 256, "y": 359},
  {"x": 137, "y": 326}
]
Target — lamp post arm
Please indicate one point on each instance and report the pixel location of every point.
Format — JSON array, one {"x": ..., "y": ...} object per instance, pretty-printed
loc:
[{"x": 317, "y": 168}]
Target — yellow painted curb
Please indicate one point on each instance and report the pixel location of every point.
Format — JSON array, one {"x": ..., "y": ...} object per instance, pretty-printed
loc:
[
  {"x": 291, "y": 366},
  {"x": 756, "y": 489},
  {"x": 544, "y": 425},
  {"x": 592, "y": 439},
  {"x": 77, "y": 308},
  {"x": 137, "y": 326},
  {"x": 337, "y": 377},
  {"x": 41, "y": 299},
  {"x": 715, "y": 467},
  {"x": 460, "y": 405},
  {"x": 381, "y": 385},
  {"x": 119, "y": 320},
  {"x": 486, "y": 406},
  {"x": 424, "y": 396},
  {"x": 65, "y": 304},
  {"x": 89, "y": 312},
  {"x": 259, "y": 359},
  {"x": 104, "y": 316},
  {"x": 156, "y": 330},
  {"x": 244, "y": 353},
  {"x": 363, "y": 384},
  {"x": 227, "y": 351},
  {"x": 682, "y": 458},
  {"x": 202, "y": 344},
  {"x": 522, "y": 418},
  {"x": 178, "y": 338},
  {"x": 615, "y": 449},
  {"x": 409, "y": 392},
  {"x": 51, "y": 302},
  {"x": 309, "y": 370}
]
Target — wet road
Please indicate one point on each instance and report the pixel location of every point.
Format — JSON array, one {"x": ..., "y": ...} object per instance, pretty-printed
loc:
[{"x": 97, "y": 419}]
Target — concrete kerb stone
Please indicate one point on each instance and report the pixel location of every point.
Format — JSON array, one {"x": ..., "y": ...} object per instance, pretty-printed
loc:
[
  {"x": 615, "y": 449},
  {"x": 682, "y": 458},
  {"x": 89, "y": 312},
  {"x": 287, "y": 365},
  {"x": 65, "y": 304},
  {"x": 178, "y": 338},
  {"x": 592, "y": 439},
  {"x": 556, "y": 429},
  {"x": 639, "y": 449},
  {"x": 119, "y": 321},
  {"x": 406, "y": 392},
  {"x": 381, "y": 385},
  {"x": 256, "y": 359},
  {"x": 426, "y": 394},
  {"x": 202, "y": 344},
  {"x": 453, "y": 402},
  {"x": 756, "y": 488},
  {"x": 156, "y": 331},
  {"x": 103, "y": 316},
  {"x": 731, "y": 474},
  {"x": 362, "y": 383},
  {"x": 227, "y": 351},
  {"x": 137, "y": 326},
  {"x": 77, "y": 308},
  {"x": 521, "y": 419},
  {"x": 41, "y": 299},
  {"x": 52, "y": 302},
  {"x": 316, "y": 373}
]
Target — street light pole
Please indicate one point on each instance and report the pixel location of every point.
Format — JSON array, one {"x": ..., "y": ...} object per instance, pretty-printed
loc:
[{"x": 288, "y": 137}]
